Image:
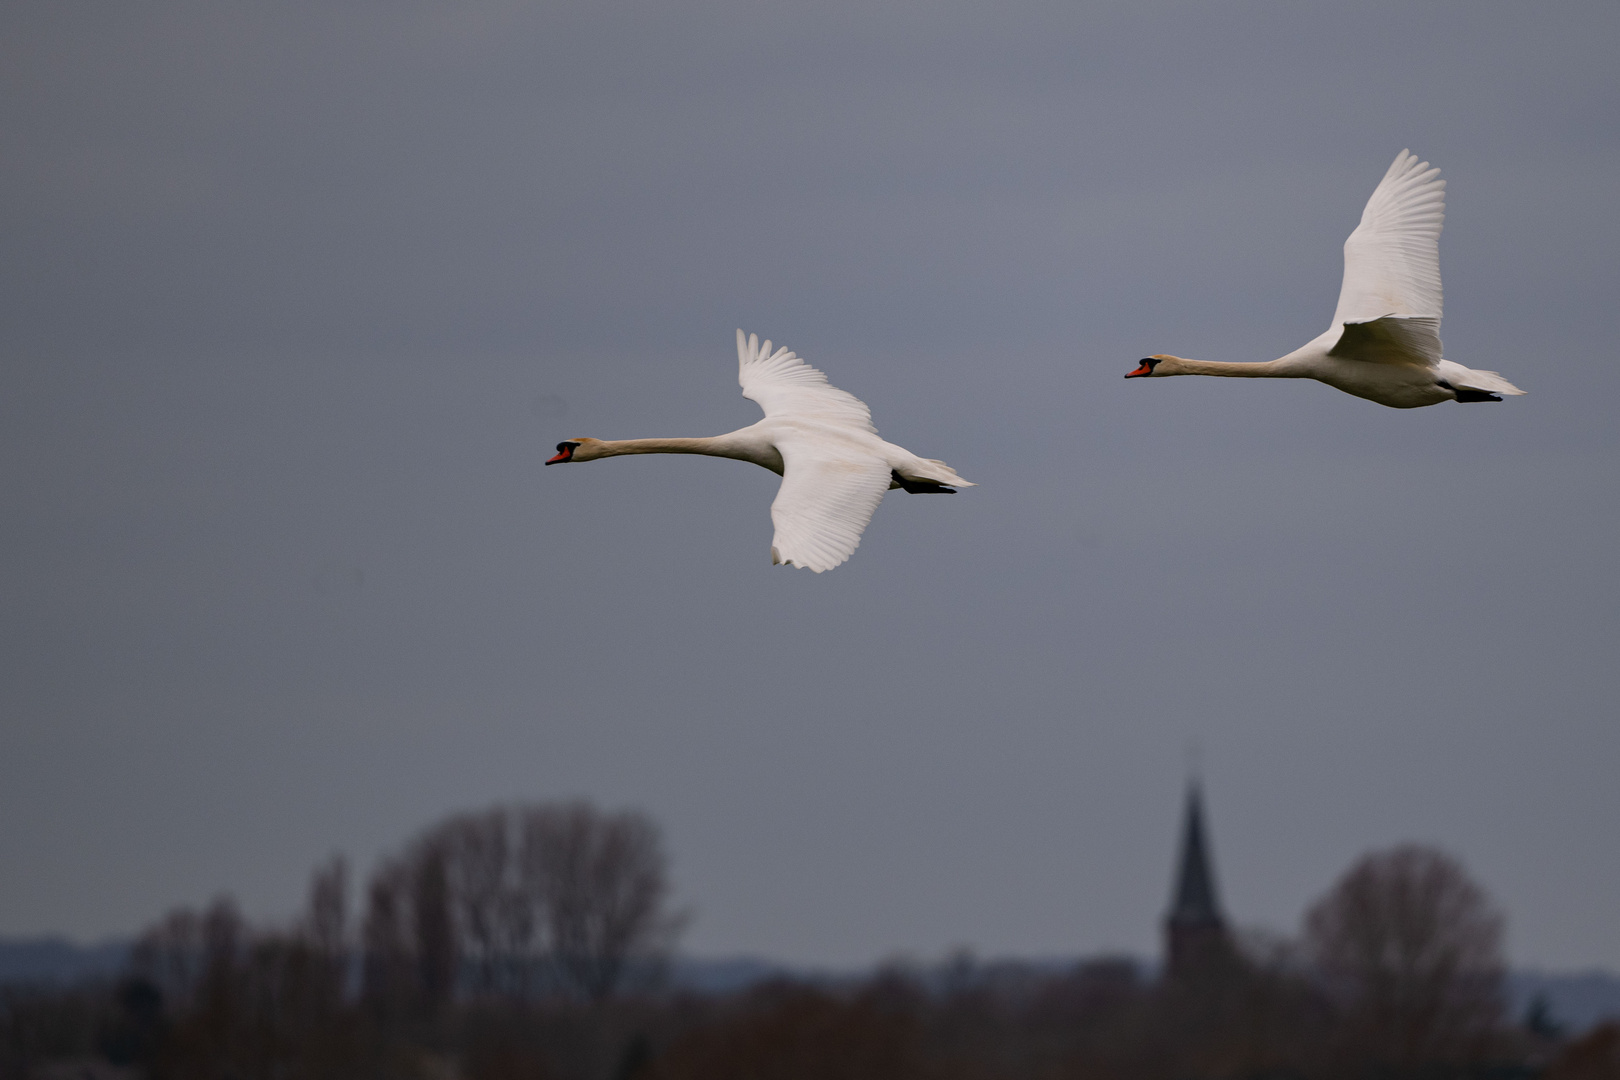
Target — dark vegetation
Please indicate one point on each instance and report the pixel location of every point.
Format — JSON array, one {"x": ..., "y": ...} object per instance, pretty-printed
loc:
[{"x": 527, "y": 943}]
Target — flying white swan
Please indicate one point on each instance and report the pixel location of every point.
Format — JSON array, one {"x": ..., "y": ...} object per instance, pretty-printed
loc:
[
  {"x": 818, "y": 439},
  {"x": 1384, "y": 344}
]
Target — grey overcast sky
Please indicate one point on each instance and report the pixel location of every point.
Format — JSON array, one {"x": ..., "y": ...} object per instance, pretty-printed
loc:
[{"x": 296, "y": 298}]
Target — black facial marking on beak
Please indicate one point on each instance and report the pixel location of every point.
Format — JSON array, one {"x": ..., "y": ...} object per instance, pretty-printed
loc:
[{"x": 565, "y": 453}]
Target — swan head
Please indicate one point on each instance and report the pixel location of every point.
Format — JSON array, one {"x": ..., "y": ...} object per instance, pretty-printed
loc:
[
  {"x": 576, "y": 450},
  {"x": 1158, "y": 364}
]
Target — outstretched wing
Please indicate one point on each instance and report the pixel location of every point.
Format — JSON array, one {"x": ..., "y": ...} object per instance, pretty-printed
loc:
[
  {"x": 826, "y": 499},
  {"x": 1392, "y": 260},
  {"x": 1394, "y": 339},
  {"x": 784, "y": 385}
]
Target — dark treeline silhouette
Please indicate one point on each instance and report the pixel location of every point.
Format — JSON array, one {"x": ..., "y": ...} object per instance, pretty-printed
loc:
[
  {"x": 515, "y": 903},
  {"x": 525, "y": 943}
]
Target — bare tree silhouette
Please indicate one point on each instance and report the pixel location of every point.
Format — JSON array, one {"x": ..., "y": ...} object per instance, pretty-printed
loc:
[
  {"x": 1410, "y": 949},
  {"x": 432, "y": 927},
  {"x": 514, "y": 901},
  {"x": 387, "y": 977},
  {"x": 601, "y": 883},
  {"x": 326, "y": 921},
  {"x": 325, "y": 927},
  {"x": 495, "y": 918},
  {"x": 169, "y": 955}
]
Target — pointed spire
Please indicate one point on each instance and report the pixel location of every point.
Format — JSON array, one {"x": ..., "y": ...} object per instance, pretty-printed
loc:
[
  {"x": 1198, "y": 947},
  {"x": 1193, "y": 903}
]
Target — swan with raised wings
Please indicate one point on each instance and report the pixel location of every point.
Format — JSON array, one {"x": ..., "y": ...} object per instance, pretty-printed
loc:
[
  {"x": 818, "y": 439},
  {"x": 1384, "y": 343}
]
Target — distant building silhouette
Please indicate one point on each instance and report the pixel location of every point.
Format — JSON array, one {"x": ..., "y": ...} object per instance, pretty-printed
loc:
[{"x": 1198, "y": 944}]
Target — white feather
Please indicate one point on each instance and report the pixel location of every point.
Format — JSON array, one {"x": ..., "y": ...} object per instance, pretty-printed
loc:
[
  {"x": 1384, "y": 343},
  {"x": 825, "y": 502},
  {"x": 834, "y": 467},
  {"x": 784, "y": 385},
  {"x": 1392, "y": 259}
]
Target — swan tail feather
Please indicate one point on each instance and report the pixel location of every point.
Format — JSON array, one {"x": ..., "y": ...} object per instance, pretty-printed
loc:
[
  {"x": 919, "y": 487},
  {"x": 1488, "y": 382},
  {"x": 929, "y": 471}
]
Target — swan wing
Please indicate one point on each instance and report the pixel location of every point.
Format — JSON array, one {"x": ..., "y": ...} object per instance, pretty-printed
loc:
[
  {"x": 826, "y": 499},
  {"x": 1392, "y": 260},
  {"x": 1394, "y": 339},
  {"x": 786, "y": 386}
]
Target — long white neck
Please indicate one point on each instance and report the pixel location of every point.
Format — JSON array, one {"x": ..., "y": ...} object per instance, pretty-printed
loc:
[
  {"x": 733, "y": 445},
  {"x": 1270, "y": 369},
  {"x": 713, "y": 447}
]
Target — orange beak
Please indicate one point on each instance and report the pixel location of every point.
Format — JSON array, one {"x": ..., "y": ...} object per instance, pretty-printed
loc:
[
  {"x": 1145, "y": 369},
  {"x": 566, "y": 454}
]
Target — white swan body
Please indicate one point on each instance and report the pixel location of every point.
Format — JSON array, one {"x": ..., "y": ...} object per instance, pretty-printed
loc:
[
  {"x": 1384, "y": 343},
  {"x": 819, "y": 439}
]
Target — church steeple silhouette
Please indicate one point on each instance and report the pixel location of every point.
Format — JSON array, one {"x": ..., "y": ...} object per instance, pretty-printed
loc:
[{"x": 1197, "y": 942}]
